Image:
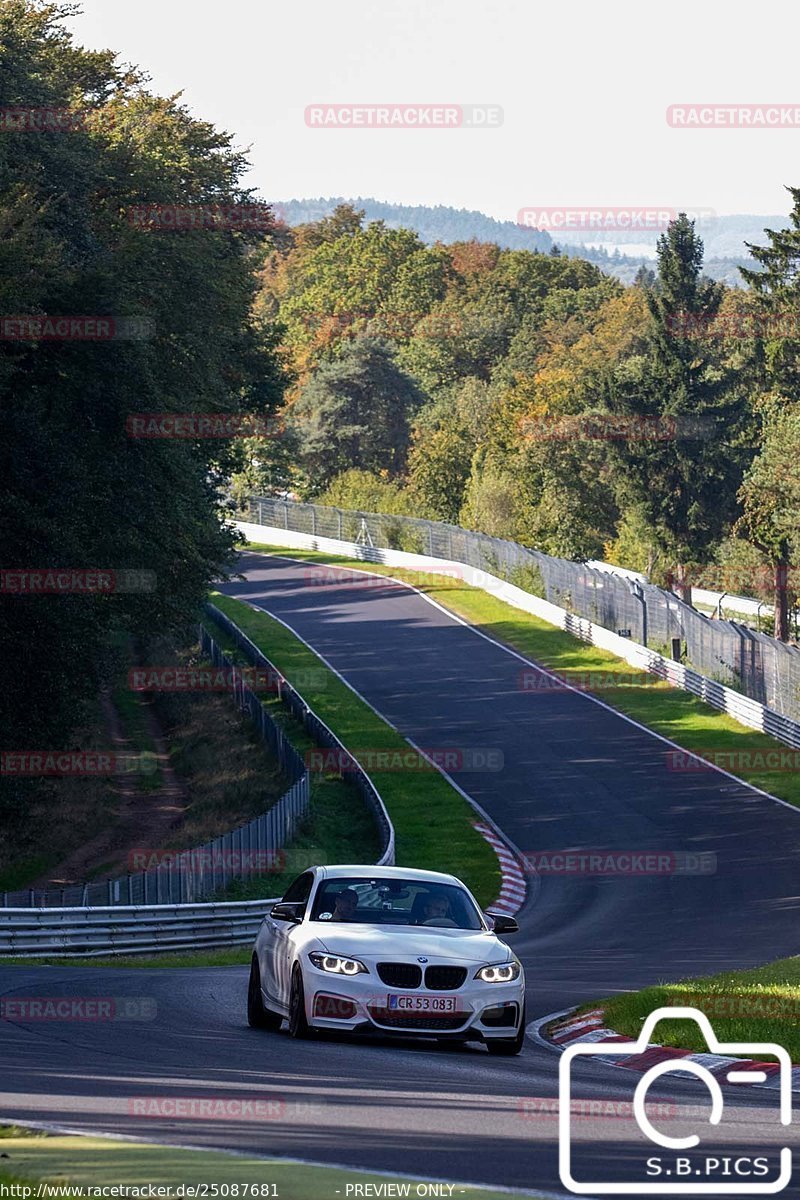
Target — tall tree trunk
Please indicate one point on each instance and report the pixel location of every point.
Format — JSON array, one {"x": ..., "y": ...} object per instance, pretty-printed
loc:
[
  {"x": 682, "y": 585},
  {"x": 781, "y": 595}
]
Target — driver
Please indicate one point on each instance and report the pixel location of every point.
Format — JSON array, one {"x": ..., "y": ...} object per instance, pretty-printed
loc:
[
  {"x": 345, "y": 905},
  {"x": 435, "y": 908}
]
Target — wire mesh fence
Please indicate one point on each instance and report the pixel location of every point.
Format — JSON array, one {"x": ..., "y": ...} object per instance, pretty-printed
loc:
[
  {"x": 255, "y": 849},
  {"x": 753, "y": 663},
  {"x": 316, "y": 728}
]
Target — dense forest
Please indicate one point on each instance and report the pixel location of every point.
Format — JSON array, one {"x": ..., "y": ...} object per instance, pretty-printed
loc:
[
  {"x": 515, "y": 390},
  {"x": 726, "y": 237},
  {"x": 533, "y": 396}
]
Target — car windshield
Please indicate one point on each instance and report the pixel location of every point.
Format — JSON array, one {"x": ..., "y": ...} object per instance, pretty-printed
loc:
[{"x": 403, "y": 902}]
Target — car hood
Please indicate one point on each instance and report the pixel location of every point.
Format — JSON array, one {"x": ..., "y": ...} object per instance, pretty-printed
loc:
[{"x": 386, "y": 942}]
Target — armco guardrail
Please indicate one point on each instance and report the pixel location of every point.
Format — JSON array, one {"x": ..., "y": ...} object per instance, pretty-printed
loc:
[
  {"x": 92, "y": 931},
  {"x": 753, "y": 663},
  {"x": 316, "y": 727},
  {"x": 138, "y": 929},
  {"x": 746, "y": 709}
]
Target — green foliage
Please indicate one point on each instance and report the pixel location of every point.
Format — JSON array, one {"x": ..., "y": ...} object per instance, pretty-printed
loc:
[
  {"x": 78, "y": 491},
  {"x": 682, "y": 457},
  {"x": 355, "y": 412},
  {"x": 366, "y": 492}
]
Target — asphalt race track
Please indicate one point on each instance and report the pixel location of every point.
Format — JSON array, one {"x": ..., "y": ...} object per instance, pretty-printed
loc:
[{"x": 575, "y": 775}]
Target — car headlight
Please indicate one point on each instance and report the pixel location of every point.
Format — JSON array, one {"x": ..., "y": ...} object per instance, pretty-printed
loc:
[
  {"x": 337, "y": 965},
  {"x": 503, "y": 973}
]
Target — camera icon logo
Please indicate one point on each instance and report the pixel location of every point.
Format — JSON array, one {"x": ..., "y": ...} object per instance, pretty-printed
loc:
[{"x": 722, "y": 1187}]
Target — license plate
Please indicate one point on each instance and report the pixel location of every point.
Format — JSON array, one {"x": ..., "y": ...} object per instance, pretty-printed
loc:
[{"x": 424, "y": 1004}]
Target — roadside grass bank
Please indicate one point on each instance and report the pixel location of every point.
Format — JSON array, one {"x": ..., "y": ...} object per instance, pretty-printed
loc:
[
  {"x": 229, "y": 776},
  {"x": 758, "y": 1005},
  {"x": 104, "y": 1162},
  {"x": 674, "y": 714},
  {"x": 433, "y": 822},
  {"x": 235, "y": 956}
]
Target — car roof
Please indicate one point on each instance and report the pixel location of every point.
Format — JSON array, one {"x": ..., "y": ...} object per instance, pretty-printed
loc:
[{"x": 373, "y": 872}]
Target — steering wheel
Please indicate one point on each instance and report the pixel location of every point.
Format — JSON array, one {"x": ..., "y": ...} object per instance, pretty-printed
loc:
[{"x": 442, "y": 922}]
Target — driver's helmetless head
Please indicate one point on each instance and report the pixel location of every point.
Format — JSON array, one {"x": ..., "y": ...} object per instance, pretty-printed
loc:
[
  {"x": 346, "y": 903},
  {"x": 436, "y": 906}
]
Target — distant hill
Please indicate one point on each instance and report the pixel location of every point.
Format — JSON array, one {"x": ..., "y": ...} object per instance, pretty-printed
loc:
[
  {"x": 724, "y": 236},
  {"x": 433, "y": 224}
]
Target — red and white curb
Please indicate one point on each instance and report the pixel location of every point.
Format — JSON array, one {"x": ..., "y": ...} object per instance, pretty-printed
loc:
[
  {"x": 572, "y": 1029},
  {"x": 513, "y": 891}
]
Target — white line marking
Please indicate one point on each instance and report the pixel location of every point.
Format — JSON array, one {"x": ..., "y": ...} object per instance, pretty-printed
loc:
[
  {"x": 551, "y": 675},
  {"x": 746, "y": 1076},
  {"x": 474, "y": 803},
  {"x": 277, "y": 1160}
]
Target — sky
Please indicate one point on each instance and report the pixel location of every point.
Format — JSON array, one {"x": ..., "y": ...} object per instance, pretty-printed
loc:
[{"x": 584, "y": 92}]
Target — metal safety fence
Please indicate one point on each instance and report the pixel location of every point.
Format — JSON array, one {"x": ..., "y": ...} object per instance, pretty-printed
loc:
[
  {"x": 185, "y": 876},
  {"x": 317, "y": 729},
  {"x": 753, "y": 663}
]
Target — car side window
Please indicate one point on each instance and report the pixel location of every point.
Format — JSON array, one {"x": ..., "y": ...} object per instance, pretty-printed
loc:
[{"x": 300, "y": 889}]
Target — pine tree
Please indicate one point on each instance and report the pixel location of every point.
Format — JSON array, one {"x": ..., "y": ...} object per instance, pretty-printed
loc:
[{"x": 679, "y": 458}]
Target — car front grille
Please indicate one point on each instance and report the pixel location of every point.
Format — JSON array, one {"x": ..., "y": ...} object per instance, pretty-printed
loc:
[
  {"x": 400, "y": 975},
  {"x": 444, "y": 979},
  {"x": 426, "y": 1021}
]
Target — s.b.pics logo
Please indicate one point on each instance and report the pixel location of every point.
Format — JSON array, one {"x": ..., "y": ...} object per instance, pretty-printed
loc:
[{"x": 698, "y": 1156}]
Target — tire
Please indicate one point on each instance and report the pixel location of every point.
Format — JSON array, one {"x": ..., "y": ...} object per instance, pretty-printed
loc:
[
  {"x": 298, "y": 1024},
  {"x": 259, "y": 1017},
  {"x": 505, "y": 1047}
]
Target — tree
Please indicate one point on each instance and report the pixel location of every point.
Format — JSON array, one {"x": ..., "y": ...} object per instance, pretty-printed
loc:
[
  {"x": 770, "y": 498},
  {"x": 355, "y": 412},
  {"x": 78, "y": 491},
  {"x": 679, "y": 452},
  {"x": 770, "y": 492}
]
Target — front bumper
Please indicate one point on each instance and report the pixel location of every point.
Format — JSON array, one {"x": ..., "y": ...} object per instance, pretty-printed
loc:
[{"x": 360, "y": 1004}]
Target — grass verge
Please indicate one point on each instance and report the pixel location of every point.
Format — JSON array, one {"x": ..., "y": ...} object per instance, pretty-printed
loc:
[
  {"x": 101, "y": 1162},
  {"x": 433, "y": 822},
  {"x": 677, "y": 715},
  {"x": 758, "y": 1005}
]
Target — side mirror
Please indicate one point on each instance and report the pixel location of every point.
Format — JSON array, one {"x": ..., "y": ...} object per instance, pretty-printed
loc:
[
  {"x": 288, "y": 912},
  {"x": 503, "y": 924}
]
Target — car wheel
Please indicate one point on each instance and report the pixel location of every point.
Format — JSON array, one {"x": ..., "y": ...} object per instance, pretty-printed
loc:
[
  {"x": 259, "y": 1017},
  {"x": 298, "y": 1025},
  {"x": 508, "y": 1046}
]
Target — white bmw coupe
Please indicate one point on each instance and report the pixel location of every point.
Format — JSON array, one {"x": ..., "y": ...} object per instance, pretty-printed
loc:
[{"x": 387, "y": 950}]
